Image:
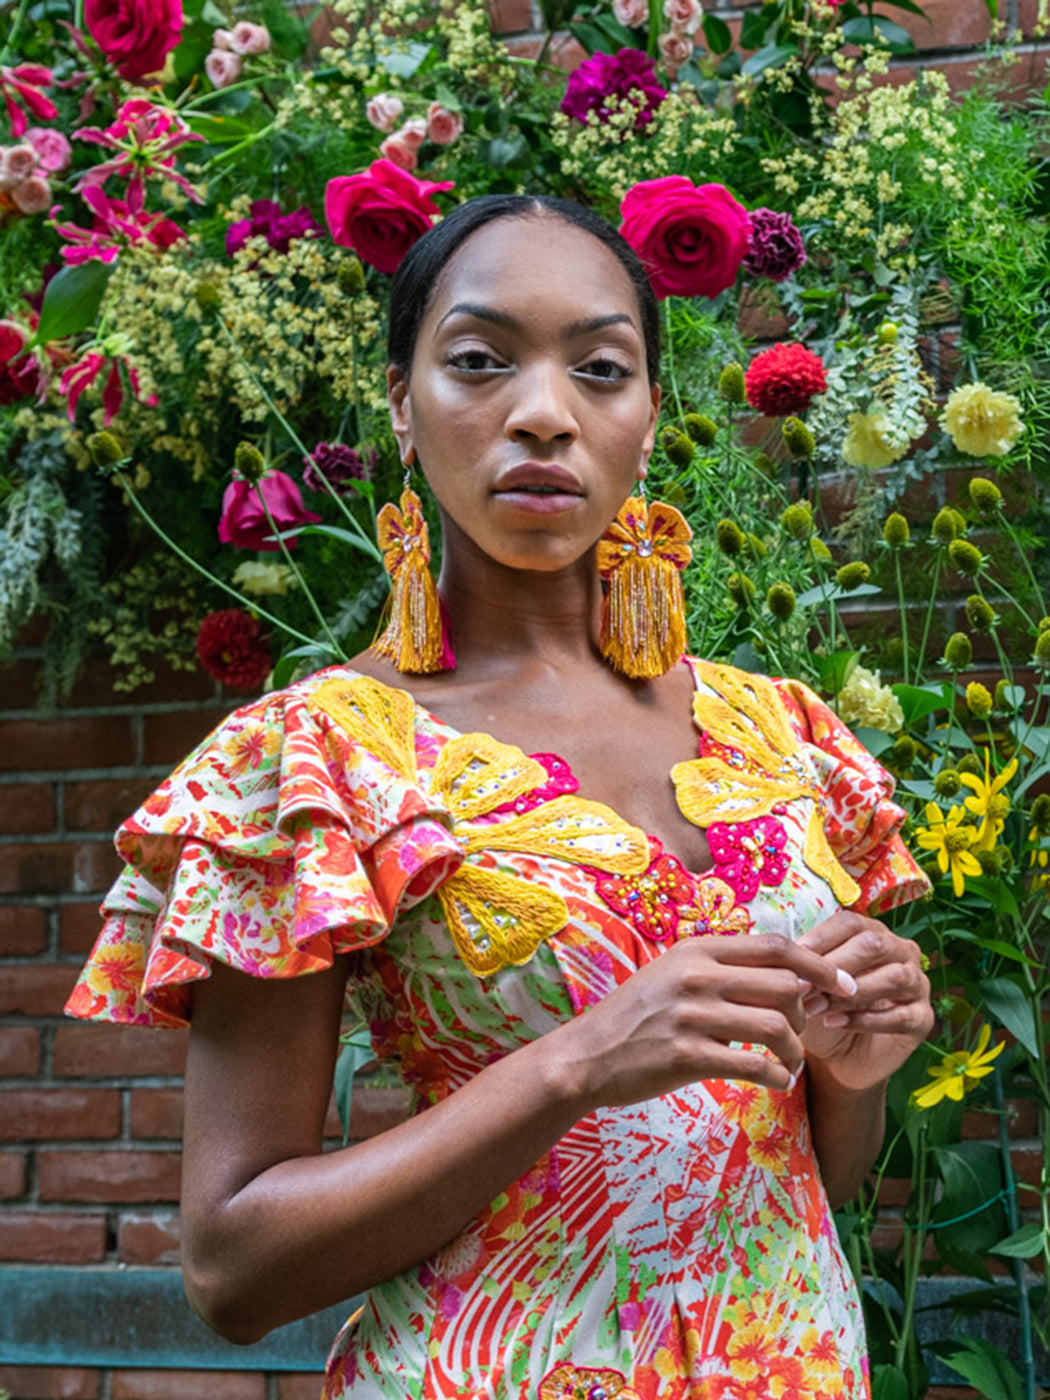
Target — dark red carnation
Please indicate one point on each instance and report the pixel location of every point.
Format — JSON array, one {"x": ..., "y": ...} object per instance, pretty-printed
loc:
[
  {"x": 231, "y": 647},
  {"x": 776, "y": 248},
  {"x": 784, "y": 379},
  {"x": 336, "y": 464}
]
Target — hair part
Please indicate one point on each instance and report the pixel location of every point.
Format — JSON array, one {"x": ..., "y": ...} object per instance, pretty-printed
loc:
[{"x": 416, "y": 278}]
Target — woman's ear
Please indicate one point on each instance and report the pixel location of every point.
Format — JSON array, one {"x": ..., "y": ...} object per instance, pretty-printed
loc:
[{"x": 397, "y": 397}]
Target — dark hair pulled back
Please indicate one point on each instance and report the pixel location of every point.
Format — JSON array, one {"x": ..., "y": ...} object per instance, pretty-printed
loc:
[{"x": 413, "y": 285}]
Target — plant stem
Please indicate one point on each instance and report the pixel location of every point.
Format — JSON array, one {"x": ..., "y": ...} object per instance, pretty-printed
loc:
[
  {"x": 307, "y": 590},
  {"x": 903, "y": 612},
  {"x": 914, "y": 1243},
  {"x": 1024, "y": 1306},
  {"x": 16, "y": 25},
  {"x": 929, "y": 615},
  {"x": 669, "y": 337}
]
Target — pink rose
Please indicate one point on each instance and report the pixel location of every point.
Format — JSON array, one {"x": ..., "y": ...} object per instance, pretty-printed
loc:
[
  {"x": 683, "y": 15},
  {"x": 632, "y": 13},
  {"x": 222, "y": 68},
  {"x": 244, "y": 524},
  {"x": 135, "y": 35},
  {"x": 692, "y": 239},
  {"x": 16, "y": 164},
  {"x": 222, "y": 39},
  {"x": 395, "y": 148},
  {"x": 32, "y": 196},
  {"x": 413, "y": 132},
  {"x": 53, "y": 151},
  {"x": 383, "y": 111},
  {"x": 675, "y": 49},
  {"x": 381, "y": 212},
  {"x": 248, "y": 38},
  {"x": 443, "y": 126}
]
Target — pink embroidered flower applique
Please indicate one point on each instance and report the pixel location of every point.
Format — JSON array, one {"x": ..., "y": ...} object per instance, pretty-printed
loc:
[
  {"x": 748, "y": 854},
  {"x": 561, "y": 781},
  {"x": 654, "y": 900}
]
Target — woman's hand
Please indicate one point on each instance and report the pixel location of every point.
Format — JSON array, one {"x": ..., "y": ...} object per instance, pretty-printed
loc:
[
  {"x": 860, "y": 1042},
  {"x": 676, "y": 1020}
]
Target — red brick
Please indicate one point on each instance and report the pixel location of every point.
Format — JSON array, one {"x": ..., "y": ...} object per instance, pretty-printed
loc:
[
  {"x": 1013, "y": 83},
  {"x": 23, "y": 930},
  {"x": 39, "y": 1237},
  {"x": 78, "y": 926},
  {"x": 94, "y": 686},
  {"x": 108, "y": 1176},
  {"x": 148, "y": 1239},
  {"x": 102, "y": 804},
  {"x": 19, "y": 1051},
  {"x": 36, "y": 990},
  {"x": 760, "y": 316},
  {"x": 510, "y": 16},
  {"x": 56, "y": 867},
  {"x": 42, "y": 1114},
  {"x": 12, "y": 1175},
  {"x": 304, "y": 1385},
  {"x": 564, "y": 52},
  {"x": 1028, "y": 1168},
  {"x": 85, "y": 741},
  {"x": 953, "y": 26},
  {"x": 50, "y": 1382},
  {"x": 187, "y": 1385},
  {"x": 156, "y": 1113},
  {"x": 375, "y": 1109},
  {"x": 168, "y": 738},
  {"x": 19, "y": 680},
  {"x": 26, "y": 809},
  {"x": 117, "y": 1050}
]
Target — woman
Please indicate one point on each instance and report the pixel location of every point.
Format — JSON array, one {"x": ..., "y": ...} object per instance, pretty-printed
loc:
[{"x": 614, "y": 1187}]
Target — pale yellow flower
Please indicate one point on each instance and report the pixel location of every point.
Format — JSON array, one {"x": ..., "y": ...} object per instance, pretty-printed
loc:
[
  {"x": 981, "y": 421},
  {"x": 259, "y": 579},
  {"x": 869, "y": 441},
  {"x": 866, "y": 701}
]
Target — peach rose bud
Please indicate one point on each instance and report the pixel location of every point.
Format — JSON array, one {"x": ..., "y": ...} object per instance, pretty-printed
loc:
[
  {"x": 222, "y": 39},
  {"x": 443, "y": 126},
  {"x": 675, "y": 49},
  {"x": 248, "y": 38},
  {"x": 384, "y": 110},
  {"x": 632, "y": 13},
  {"x": 398, "y": 151},
  {"x": 32, "y": 196},
  {"x": 685, "y": 15},
  {"x": 16, "y": 164},
  {"x": 222, "y": 68},
  {"x": 414, "y": 131}
]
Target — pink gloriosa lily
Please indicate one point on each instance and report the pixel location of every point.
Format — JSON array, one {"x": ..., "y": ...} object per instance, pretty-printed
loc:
[
  {"x": 118, "y": 223},
  {"x": 80, "y": 376},
  {"x": 23, "y": 84},
  {"x": 144, "y": 137}
]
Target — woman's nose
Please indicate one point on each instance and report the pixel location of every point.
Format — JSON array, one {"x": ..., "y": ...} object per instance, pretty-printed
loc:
[{"x": 543, "y": 407}]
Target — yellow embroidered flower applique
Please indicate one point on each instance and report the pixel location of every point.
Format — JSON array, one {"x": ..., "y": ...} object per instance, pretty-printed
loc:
[
  {"x": 496, "y": 919},
  {"x": 762, "y": 769}
]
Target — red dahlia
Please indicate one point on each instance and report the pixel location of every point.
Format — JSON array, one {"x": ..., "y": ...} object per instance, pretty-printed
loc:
[
  {"x": 784, "y": 380},
  {"x": 230, "y": 647}
]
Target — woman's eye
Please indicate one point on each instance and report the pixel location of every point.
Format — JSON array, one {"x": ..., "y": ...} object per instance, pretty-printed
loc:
[
  {"x": 602, "y": 368},
  {"x": 473, "y": 361}
]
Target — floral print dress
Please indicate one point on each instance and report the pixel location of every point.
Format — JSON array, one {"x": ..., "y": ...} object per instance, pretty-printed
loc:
[{"x": 682, "y": 1247}]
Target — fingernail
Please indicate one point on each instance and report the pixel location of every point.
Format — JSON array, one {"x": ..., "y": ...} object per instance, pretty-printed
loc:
[
  {"x": 815, "y": 1005},
  {"x": 847, "y": 984},
  {"x": 835, "y": 1020},
  {"x": 793, "y": 1080},
  {"x": 804, "y": 987}
]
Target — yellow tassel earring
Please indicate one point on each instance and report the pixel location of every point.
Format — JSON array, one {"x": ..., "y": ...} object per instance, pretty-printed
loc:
[
  {"x": 640, "y": 558},
  {"x": 414, "y": 636}
]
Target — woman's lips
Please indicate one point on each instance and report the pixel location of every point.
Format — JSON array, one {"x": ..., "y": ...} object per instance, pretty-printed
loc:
[{"x": 538, "y": 488}]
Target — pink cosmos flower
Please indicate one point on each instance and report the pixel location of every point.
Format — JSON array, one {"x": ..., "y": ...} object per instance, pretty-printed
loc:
[
  {"x": 145, "y": 138},
  {"x": 80, "y": 376},
  {"x": 244, "y": 522},
  {"x": 118, "y": 223},
  {"x": 443, "y": 126},
  {"x": 384, "y": 110},
  {"x": 222, "y": 68},
  {"x": 248, "y": 38},
  {"x": 22, "y": 84},
  {"x": 32, "y": 196},
  {"x": 53, "y": 151},
  {"x": 398, "y": 151}
]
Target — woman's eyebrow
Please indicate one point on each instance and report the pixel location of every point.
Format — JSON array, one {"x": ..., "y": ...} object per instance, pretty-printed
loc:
[{"x": 503, "y": 318}]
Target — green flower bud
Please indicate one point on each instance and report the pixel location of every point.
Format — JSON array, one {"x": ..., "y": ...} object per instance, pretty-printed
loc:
[
  {"x": 677, "y": 446},
  {"x": 248, "y": 460},
  {"x": 1006, "y": 859},
  {"x": 780, "y": 600},
  {"x": 818, "y": 550},
  {"x": 944, "y": 528},
  {"x": 351, "y": 277},
  {"x": 896, "y": 531},
  {"x": 1044, "y": 624},
  {"x": 946, "y": 783},
  {"x": 765, "y": 464},
  {"x": 979, "y": 613},
  {"x": 887, "y": 333},
  {"x": 731, "y": 383},
  {"x": 105, "y": 449},
  {"x": 207, "y": 295},
  {"x": 756, "y": 547},
  {"x": 970, "y": 763},
  {"x": 978, "y": 700},
  {"x": 989, "y": 862},
  {"x": 960, "y": 522},
  {"x": 1042, "y": 651},
  {"x": 905, "y": 751},
  {"x": 741, "y": 589},
  {"x": 851, "y": 576},
  {"x": 958, "y": 653},
  {"x": 985, "y": 496},
  {"x": 731, "y": 539},
  {"x": 798, "y": 440},
  {"x": 797, "y": 520},
  {"x": 1040, "y": 814},
  {"x": 966, "y": 557},
  {"x": 931, "y": 869},
  {"x": 1003, "y": 702},
  {"x": 701, "y": 429}
]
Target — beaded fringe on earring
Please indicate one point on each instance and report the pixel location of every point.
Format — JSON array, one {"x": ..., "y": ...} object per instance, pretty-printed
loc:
[
  {"x": 413, "y": 637},
  {"x": 640, "y": 557}
]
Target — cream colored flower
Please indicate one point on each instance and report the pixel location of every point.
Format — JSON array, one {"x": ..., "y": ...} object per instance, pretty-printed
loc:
[
  {"x": 259, "y": 579},
  {"x": 982, "y": 422},
  {"x": 866, "y": 701},
  {"x": 870, "y": 441}
]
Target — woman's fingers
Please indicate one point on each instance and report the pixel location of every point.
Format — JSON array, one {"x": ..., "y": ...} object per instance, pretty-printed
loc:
[{"x": 774, "y": 951}]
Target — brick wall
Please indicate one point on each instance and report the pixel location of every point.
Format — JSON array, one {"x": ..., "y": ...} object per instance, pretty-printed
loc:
[{"x": 90, "y": 1116}]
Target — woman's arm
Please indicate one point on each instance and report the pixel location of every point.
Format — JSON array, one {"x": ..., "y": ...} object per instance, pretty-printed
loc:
[{"x": 274, "y": 1229}]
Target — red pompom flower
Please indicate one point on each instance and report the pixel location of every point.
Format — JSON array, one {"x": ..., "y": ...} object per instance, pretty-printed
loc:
[
  {"x": 231, "y": 647},
  {"x": 784, "y": 379}
]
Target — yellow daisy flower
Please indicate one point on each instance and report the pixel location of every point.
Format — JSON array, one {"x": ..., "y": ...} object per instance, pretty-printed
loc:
[
  {"x": 952, "y": 841},
  {"x": 958, "y": 1072},
  {"x": 989, "y": 802}
]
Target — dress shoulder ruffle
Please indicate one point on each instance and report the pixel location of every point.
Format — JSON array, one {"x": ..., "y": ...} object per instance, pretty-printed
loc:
[
  {"x": 295, "y": 832},
  {"x": 861, "y": 821}
]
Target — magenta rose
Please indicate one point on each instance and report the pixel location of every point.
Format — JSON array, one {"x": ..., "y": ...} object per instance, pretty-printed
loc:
[
  {"x": 381, "y": 212},
  {"x": 691, "y": 238},
  {"x": 135, "y": 35},
  {"x": 244, "y": 523},
  {"x": 20, "y": 371}
]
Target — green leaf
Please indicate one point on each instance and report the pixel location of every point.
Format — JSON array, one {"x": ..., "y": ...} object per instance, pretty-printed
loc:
[
  {"x": 986, "y": 1368},
  {"x": 878, "y": 30},
  {"x": 1013, "y": 1010},
  {"x": 835, "y": 669},
  {"x": 336, "y": 532},
  {"x": 718, "y": 34},
  {"x": 356, "y": 1052},
  {"x": 918, "y": 701},
  {"x": 753, "y": 30},
  {"x": 403, "y": 63},
  {"x": 876, "y": 741},
  {"x": 71, "y": 301},
  {"x": 831, "y": 593},
  {"x": 1024, "y": 1243},
  {"x": 993, "y": 945},
  {"x": 889, "y": 1383},
  {"x": 221, "y": 130},
  {"x": 769, "y": 56}
]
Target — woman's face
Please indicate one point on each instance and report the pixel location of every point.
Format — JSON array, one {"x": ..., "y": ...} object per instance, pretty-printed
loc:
[{"x": 528, "y": 405}]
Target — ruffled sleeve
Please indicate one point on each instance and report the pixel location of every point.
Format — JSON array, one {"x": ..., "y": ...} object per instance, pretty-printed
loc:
[
  {"x": 281, "y": 841},
  {"x": 861, "y": 821}
]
